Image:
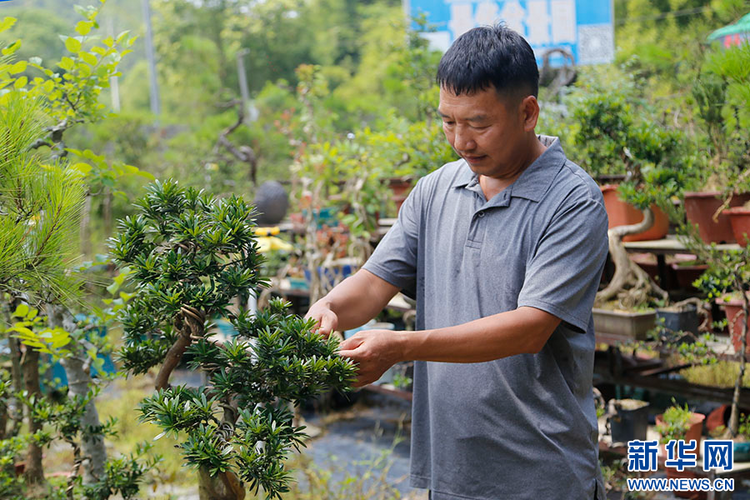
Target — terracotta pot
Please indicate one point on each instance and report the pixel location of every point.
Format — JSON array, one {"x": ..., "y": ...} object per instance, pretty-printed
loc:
[
  {"x": 694, "y": 432},
  {"x": 400, "y": 188},
  {"x": 621, "y": 214},
  {"x": 718, "y": 418},
  {"x": 686, "y": 275},
  {"x": 733, "y": 310},
  {"x": 685, "y": 474},
  {"x": 740, "y": 220},
  {"x": 700, "y": 209}
]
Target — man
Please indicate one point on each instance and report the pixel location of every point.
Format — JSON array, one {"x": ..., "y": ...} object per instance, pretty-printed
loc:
[{"x": 503, "y": 250}]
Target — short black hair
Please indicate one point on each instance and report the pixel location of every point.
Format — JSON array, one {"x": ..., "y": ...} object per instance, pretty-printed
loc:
[{"x": 488, "y": 56}]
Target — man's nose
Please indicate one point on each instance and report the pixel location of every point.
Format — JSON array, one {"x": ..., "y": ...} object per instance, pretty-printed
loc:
[{"x": 463, "y": 140}]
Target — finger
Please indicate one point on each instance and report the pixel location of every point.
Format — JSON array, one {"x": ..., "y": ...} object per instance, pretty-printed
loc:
[
  {"x": 349, "y": 353},
  {"x": 350, "y": 344},
  {"x": 328, "y": 323}
]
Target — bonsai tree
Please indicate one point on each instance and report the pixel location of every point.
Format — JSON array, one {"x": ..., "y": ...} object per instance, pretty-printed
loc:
[
  {"x": 189, "y": 255},
  {"x": 728, "y": 274},
  {"x": 615, "y": 135},
  {"x": 722, "y": 105}
]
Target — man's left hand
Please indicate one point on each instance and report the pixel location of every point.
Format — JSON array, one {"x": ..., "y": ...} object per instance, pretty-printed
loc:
[{"x": 374, "y": 351}]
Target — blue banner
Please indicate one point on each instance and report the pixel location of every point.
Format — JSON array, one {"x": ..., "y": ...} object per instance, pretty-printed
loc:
[{"x": 583, "y": 28}]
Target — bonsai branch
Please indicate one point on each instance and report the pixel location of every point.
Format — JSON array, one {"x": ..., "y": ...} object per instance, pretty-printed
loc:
[{"x": 190, "y": 325}]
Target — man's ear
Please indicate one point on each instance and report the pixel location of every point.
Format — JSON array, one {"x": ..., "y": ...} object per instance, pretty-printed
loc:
[{"x": 529, "y": 108}]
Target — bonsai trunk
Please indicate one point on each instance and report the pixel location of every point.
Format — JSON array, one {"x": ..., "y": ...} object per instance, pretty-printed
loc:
[
  {"x": 190, "y": 324},
  {"x": 34, "y": 471},
  {"x": 631, "y": 283},
  {"x": 734, "y": 416},
  {"x": 94, "y": 453},
  {"x": 223, "y": 486}
]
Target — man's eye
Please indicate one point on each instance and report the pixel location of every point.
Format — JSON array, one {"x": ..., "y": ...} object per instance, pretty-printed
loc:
[{"x": 447, "y": 123}]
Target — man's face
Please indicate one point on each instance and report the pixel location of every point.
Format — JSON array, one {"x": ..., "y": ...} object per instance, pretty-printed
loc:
[{"x": 485, "y": 130}]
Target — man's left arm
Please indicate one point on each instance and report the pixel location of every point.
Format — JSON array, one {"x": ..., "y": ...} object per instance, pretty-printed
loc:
[
  {"x": 562, "y": 278},
  {"x": 522, "y": 331}
]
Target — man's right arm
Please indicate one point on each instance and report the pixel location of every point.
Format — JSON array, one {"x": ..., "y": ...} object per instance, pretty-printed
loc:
[{"x": 352, "y": 303}]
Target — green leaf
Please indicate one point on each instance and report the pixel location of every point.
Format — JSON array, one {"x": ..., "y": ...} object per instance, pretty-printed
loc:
[
  {"x": 122, "y": 36},
  {"x": 112, "y": 289},
  {"x": 18, "y": 67},
  {"x": 7, "y": 23},
  {"x": 12, "y": 48},
  {"x": 84, "y": 27},
  {"x": 21, "y": 82},
  {"x": 88, "y": 58},
  {"x": 66, "y": 63},
  {"x": 72, "y": 44},
  {"x": 147, "y": 175},
  {"x": 21, "y": 311},
  {"x": 83, "y": 168}
]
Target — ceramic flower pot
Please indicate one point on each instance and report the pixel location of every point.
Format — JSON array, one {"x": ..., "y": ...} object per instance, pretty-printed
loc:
[
  {"x": 740, "y": 220},
  {"x": 735, "y": 318},
  {"x": 621, "y": 213},
  {"x": 634, "y": 325},
  {"x": 700, "y": 209}
]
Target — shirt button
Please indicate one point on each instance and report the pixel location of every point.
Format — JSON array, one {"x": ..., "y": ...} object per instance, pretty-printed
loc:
[{"x": 481, "y": 214}]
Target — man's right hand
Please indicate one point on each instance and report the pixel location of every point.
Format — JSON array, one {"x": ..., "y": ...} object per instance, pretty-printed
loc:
[
  {"x": 327, "y": 320},
  {"x": 351, "y": 303}
]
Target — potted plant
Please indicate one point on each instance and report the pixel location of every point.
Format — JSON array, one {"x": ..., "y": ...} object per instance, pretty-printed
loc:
[
  {"x": 722, "y": 179},
  {"x": 190, "y": 256},
  {"x": 628, "y": 419},
  {"x": 727, "y": 278},
  {"x": 679, "y": 423},
  {"x": 615, "y": 136}
]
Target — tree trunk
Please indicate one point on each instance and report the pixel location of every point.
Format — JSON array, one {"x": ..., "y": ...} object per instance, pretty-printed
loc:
[
  {"x": 92, "y": 446},
  {"x": 627, "y": 272},
  {"x": 220, "y": 487},
  {"x": 76, "y": 367},
  {"x": 85, "y": 233},
  {"x": 16, "y": 374},
  {"x": 734, "y": 416},
  {"x": 34, "y": 472}
]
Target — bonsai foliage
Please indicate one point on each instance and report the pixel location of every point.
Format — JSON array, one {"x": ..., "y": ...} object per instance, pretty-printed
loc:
[
  {"x": 189, "y": 256},
  {"x": 722, "y": 105},
  {"x": 675, "y": 423}
]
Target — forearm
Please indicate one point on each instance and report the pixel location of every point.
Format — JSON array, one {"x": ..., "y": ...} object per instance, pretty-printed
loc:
[
  {"x": 358, "y": 299},
  {"x": 522, "y": 331}
]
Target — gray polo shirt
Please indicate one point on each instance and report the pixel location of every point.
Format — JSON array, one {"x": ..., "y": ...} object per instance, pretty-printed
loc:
[{"x": 521, "y": 427}]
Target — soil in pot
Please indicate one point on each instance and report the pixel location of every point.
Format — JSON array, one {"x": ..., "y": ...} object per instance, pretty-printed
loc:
[
  {"x": 621, "y": 214},
  {"x": 700, "y": 209}
]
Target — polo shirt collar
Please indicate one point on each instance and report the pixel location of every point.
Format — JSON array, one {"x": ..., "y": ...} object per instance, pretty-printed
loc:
[{"x": 534, "y": 181}]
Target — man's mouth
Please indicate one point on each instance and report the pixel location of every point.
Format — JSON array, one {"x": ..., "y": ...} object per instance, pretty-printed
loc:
[{"x": 474, "y": 158}]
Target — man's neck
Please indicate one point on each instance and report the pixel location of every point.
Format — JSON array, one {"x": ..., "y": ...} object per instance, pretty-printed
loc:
[{"x": 494, "y": 185}]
